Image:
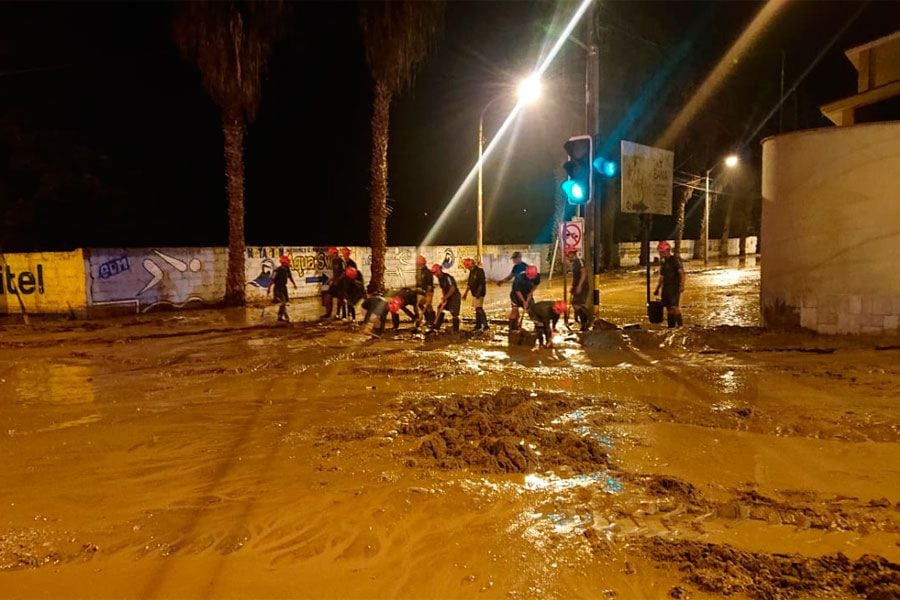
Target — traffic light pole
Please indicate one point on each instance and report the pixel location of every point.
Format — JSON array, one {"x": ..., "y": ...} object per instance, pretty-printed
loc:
[{"x": 592, "y": 114}]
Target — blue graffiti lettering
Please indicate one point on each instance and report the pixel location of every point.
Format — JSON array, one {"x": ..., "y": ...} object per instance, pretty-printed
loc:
[{"x": 114, "y": 267}]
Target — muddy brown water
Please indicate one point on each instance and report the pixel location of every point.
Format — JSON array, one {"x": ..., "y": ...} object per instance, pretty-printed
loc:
[{"x": 208, "y": 455}]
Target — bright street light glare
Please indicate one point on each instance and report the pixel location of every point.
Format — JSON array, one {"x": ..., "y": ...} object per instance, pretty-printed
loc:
[
  {"x": 529, "y": 89},
  {"x": 731, "y": 161}
]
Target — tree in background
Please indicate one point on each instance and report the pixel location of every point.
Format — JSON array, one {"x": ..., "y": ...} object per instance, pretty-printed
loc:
[
  {"x": 230, "y": 43},
  {"x": 397, "y": 36},
  {"x": 681, "y": 198}
]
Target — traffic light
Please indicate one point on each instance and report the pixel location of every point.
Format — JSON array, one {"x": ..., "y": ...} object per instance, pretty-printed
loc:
[
  {"x": 579, "y": 188},
  {"x": 607, "y": 168}
]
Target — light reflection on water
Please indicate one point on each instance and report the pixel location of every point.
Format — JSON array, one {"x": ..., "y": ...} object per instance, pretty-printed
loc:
[
  {"x": 551, "y": 482},
  {"x": 728, "y": 382},
  {"x": 59, "y": 383},
  {"x": 492, "y": 355}
]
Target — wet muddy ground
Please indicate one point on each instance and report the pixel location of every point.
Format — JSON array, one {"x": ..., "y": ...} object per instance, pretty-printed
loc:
[{"x": 215, "y": 454}]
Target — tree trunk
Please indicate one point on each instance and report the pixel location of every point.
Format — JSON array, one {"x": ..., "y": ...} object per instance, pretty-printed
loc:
[
  {"x": 233, "y": 130},
  {"x": 378, "y": 184},
  {"x": 726, "y": 226},
  {"x": 702, "y": 239},
  {"x": 680, "y": 203}
]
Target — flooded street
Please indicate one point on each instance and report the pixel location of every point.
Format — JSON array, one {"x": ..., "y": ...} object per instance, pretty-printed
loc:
[{"x": 215, "y": 454}]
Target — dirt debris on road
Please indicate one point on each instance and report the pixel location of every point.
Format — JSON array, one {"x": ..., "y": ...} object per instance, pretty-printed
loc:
[{"x": 209, "y": 454}]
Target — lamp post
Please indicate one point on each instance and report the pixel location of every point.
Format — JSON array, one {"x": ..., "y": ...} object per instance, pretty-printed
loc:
[
  {"x": 529, "y": 90},
  {"x": 731, "y": 161}
]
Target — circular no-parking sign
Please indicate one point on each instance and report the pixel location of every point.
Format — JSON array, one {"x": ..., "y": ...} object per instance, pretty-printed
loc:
[{"x": 573, "y": 235}]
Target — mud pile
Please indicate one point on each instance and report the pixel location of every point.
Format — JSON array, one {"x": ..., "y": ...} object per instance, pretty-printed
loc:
[
  {"x": 722, "y": 569},
  {"x": 509, "y": 431}
]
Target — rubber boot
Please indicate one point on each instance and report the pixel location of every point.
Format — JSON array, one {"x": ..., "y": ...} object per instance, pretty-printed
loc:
[
  {"x": 585, "y": 318},
  {"x": 670, "y": 320},
  {"x": 282, "y": 313},
  {"x": 351, "y": 309},
  {"x": 429, "y": 316},
  {"x": 481, "y": 321},
  {"x": 513, "y": 325},
  {"x": 395, "y": 320},
  {"x": 438, "y": 322},
  {"x": 328, "y": 303},
  {"x": 455, "y": 324},
  {"x": 678, "y": 320}
]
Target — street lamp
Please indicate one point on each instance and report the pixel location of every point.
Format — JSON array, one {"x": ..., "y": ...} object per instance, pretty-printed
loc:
[
  {"x": 529, "y": 90},
  {"x": 730, "y": 161}
]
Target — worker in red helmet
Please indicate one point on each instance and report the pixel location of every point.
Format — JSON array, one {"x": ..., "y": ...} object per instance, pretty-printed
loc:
[
  {"x": 579, "y": 289},
  {"x": 522, "y": 295},
  {"x": 424, "y": 293},
  {"x": 450, "y": 300},
  {"x": 545, "y": 316},
  {"x": 477, "y": 285},
  {"x": 279, "y": 280},
  {"x": 405, "y": 300},
  {"x": 350, "y": 290},
  {"x": 518, "y": 269},
  {"x": 332, "y": 288},
  {"x": 377, "y": 309},
  {"x": 671, "y": 281}
]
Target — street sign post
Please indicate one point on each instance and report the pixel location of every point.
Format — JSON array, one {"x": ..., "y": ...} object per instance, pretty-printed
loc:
[
  {"x": 647, "y": 175},
  {"x": 646, "y": 179},
  {"x": 573, "y": 235}
]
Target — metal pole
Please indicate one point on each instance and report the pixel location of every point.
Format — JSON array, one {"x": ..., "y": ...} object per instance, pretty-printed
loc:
[
  {"x": 480, "y": 226},
  {"x": 592, "y": 210},
  {"x": 705, "y": 236},
  {"x": 645, "y": 248}
]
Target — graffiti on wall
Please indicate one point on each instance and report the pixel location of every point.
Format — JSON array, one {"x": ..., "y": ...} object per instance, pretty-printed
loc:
[
  {"x": 309, "y": 268},
  {"x": 46, "y": 282},
  {"x": 144, "y": 279}
]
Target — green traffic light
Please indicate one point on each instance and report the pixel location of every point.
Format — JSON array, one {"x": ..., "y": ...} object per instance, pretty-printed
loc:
[{"x": 574, "y": 191}]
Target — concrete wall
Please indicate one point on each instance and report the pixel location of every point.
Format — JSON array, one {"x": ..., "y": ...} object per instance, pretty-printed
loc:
[
  {"x": 831, "y": 225},
  {"x": 141, "y": 279},
  {"x": 47, "y": 282},
  {"x": 102, "y": 281},
  {"x": 630, "y": 252}
]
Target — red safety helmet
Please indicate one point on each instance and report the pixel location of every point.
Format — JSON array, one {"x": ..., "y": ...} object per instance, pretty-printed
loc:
[
  {"x": 284, "y": 260},
  {"x": 663, "y": 246},
  {"x": 350, "y": 273},
  {"x": 436, "y": 269},
  {"x": 393, "y": 306},
  {"x": 468, "y": 263},
  {"x": 345, "y": 251},
  {"x": 332, "y": 251},
  {"x": 421, "y": 261},
  {"x": 559, "y": 307},
  {"x": 531, "y": 272}
]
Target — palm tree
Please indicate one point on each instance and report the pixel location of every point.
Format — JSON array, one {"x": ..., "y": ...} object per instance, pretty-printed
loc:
[
  {"x": 686, "y": 193},
  {"x": 230, "y": 41},
  {"x": 397, "y": 36}
]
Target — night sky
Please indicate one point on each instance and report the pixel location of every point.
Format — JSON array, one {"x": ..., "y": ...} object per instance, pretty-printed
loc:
[{"x": 108, "y": 138}]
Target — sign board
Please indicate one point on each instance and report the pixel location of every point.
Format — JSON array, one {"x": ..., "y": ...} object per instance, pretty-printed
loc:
[
  {"x": 646, "y": 179},
  {"x": 573, "y": 235}
]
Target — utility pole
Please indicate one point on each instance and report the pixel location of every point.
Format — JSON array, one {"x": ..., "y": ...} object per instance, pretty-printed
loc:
[{"x": 592, "y": 209}]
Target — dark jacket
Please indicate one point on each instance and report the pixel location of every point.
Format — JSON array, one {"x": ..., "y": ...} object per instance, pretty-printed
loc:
[
  {"x": 476, "y": 283},
  {"x": 542, "y": 313},
  {"x": 425, "y": 279}
]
